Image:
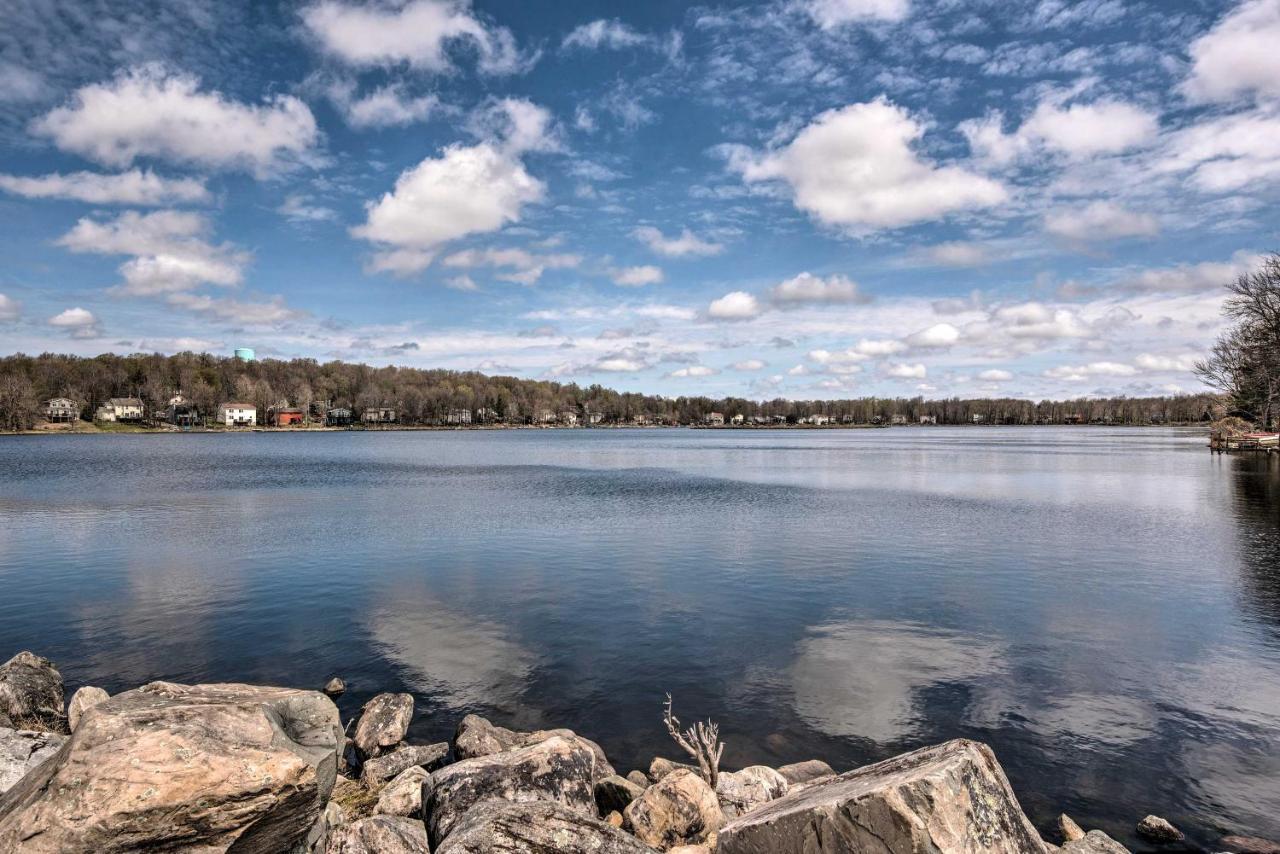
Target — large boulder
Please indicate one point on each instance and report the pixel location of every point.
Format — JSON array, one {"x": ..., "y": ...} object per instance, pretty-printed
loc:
[
  {"x": 558, "y": 770},
  {"x": 809, "y": 771},
  {"x": 380, "y": 834},
  {"x": 500, "y": 827},
  {"x": 31, "y": 693},
  {"x": 376, "y": 771},
  {"x": 384, "y": 722},
  {"x": 166, "y": 767},
  {"x": 22, "y": 751},
  {"x": 1094, "y": 842},
  {"x": 1153, "y": 828},
  {"x": 743, "y": 791},
  {"x": 948, "y": 799},
  {"x": 403, "y": 795},
  {"x": 476, "y": 737},
  {"x": 84, "y": 699},
  {"x": 661, "y": 767},
  {"x": 1247, "y": 845},
  {"x": 679, "y": 809}
]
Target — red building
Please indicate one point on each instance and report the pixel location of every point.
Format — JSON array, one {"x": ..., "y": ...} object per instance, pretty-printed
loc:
[{"x": 284, "y": 417}]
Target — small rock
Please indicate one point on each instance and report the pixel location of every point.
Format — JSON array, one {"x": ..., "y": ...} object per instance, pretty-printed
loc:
[
  {"x": 660, "y": 768},
  {"x": 640, "y": 778},
  {"x": 84, "y": 699},
  {"x": 678, "y": 809},
  {"x": 335, "y": 687},
  {"x": 614, "y": 819},
  {"x": 743, "y": 791},
  {"x": 1248, "y": 845},
  {"x": 499, "y": 827},
  {"x": 403, "y": 795},
  {"x": 476, "y": 736},
  {"x": 382, "y": 768},
  {"x": 614, "y": 793},
  {"x": 806, "y": 772},
  {"x": 1069, "y": 829},
  {"x": 22, "y": 751},
  {"x": 557, "y": 769},
  {"x": 1155, "y": 829},
  {"x": 384, "y": 722},
  {"x": 31, "y": 693},
  {"x": 1094, "y": 842},
  {"x": 380, "y": 834}
]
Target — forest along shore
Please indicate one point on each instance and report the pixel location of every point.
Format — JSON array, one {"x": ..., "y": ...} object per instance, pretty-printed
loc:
[{"x": 253, "y": 769}]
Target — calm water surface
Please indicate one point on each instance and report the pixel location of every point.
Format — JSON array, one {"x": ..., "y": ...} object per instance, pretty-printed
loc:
[{"x": 1101, "y": 605}]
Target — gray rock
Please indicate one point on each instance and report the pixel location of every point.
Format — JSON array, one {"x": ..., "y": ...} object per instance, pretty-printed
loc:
[
  {"x": 640, "y": 778},
  {"x": 558, "y": 769},
  {"x": 1248, "y": 845},
  {"x": 1155, "y": 829},
  {"x": 1069, "y": 829},
  {"x": 84, "y": 699},
  {"x": 477, "y": 737},
  {"x": 1094, "y": 842},
  {"x": 205, "y": 767},
  {"x": 499, "y": 827},
  {"x": 679, "y": 809},
  {"x": 317, "y": 838},
  {"x": 429, "y": 756},
  {"x": 660, "y": 768},
  {"x": 22, "y": 751},
  {"x": 31, "y": 693},
  {"x": 806, "y": 772},
  {"x": 742, "y": 791},
  {"x": 949, "y": 799},
  {"x": 384, "y": 722},
  {"x": 380, "y": 834},
  {"x": 403, "y": 795},
  {"x": 335, "y": 687},
  {"x": 613, "y": 793}
]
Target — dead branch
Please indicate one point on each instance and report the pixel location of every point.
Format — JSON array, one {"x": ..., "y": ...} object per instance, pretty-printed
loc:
[{"x": 701, "y": 741}]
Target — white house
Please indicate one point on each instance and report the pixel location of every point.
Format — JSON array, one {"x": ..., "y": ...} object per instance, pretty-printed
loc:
[
  {"x": 61, "y": 409},
  {"x": 458, "y": 416},
  {"x": 238, "y": 414},
  {"x": 818, "y": 419},
  {"x": 714, "y": 419},
  {"x": 120, "y": 409},
  {"x": 569, "y": 419}
]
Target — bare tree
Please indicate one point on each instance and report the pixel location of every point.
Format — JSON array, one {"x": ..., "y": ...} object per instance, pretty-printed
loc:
[
  {"x": 701, "y": 741},
  {"x": 1245, "y": 361}
]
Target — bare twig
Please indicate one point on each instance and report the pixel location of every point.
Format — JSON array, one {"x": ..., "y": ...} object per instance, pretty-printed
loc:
[{"x": 701, "y": 741}]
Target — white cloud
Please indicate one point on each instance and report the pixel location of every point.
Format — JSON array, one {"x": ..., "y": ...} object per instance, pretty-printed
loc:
[
  {"x": 10, "y": 309},
  {"x": 387, "y": 106},
  {"x": 150, "y": 111},
  {"x": 1227, "y": 153},
  {"x": 807, "y": 288},
  {"x": 995, "y": 375},
  {"x": 272, "y": 312},
  {"x": 601, "y": 33},
  {"x": 1238, "y": 55},
  {"x": 1036, "y": 321},
  {"x": 749, "y": 365},
  {"x": 524, "y": 267},
  {"x": 957, "y": 254},
  {"x": 18, "y": 84},
  {"x": 830, "y": 14},
  {"x": 1078, "y": 373},
  {"x": 466, "y": 190},
  {"x": 78, "y": 322},
  {"x": 883, "y": 347},
  {"x": 907, "y": 372},
  {"x": 461, "y": 283},
  {"x": 297, "y": 208},
  {"x": 839, "y": 362},
  {"x": 1077, "y": 130},
  {"x": 417, "y": 33},
  {"x": 693, "y": 371},
  {"x": 1099, "y": 221},
  {"x": 855, "y": 168},
  {"x": 939, "y": 335},
  {"x": 634, "y": 277},
  {"x": 687, "y": 243},
  {"x": 1206, "y": 276},
  {"x": 135, "y": 187},
  {"x": 737, "y": 305},
  {"x": 665, "y": 312},
  {"x": 1183, "y": 362}
]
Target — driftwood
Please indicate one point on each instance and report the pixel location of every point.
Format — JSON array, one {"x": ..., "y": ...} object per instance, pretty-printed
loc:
[{"x": 701, "y": 741}]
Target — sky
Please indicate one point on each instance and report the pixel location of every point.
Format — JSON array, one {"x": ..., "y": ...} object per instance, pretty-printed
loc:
[{"x": 790, "y": 198}]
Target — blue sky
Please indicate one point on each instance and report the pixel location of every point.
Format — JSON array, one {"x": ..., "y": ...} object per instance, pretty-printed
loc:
[{"x": 800, "y": 198}]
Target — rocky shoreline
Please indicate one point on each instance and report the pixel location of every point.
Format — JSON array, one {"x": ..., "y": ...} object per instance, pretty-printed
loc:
[{"x": 248, "y": 769}]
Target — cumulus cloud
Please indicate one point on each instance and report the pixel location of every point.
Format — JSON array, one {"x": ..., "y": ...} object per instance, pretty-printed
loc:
[
  {"x": 903, "y": 371},
  {"x": 10, "y": 309},
  {"x": 1238, "y": 56},
  {"x": 840, "y": 361},
  {"x": 151, "y": 111},
  {"x": 518, "y": 265},
  {"x": 1099, "y": 221},
  {"x": 1182, "y": 362},
  {"x": 808, "y": 289},
  {"x": 77, "y": 322},
  {"x": 686, "y": 243},
  {"x": 1224, "y": 154},
  {"x": 418, "y": 33},
  {"x": 749, "y": 365},
  {"x": 856, "y": 168},
  {"x": 634, "y": 277},
  {"x": 135, "y": 187},
  {"x": 298, "y": 208},
  {"x": 830, "y": 14},
  {"x": 938, "y": 336},
  {"x": 1075, "y": 130},
  {"x": 693, "y": 371},
  {"x": 882, "y": 347},
  {"x": 1206, "y": 276},
  {"x": 1078, "y": 373},
  {"x": 391, "y": 105},
  {"x": 736, "y": 305},
  {"x": 465, "y": 190},
  {"x": 995, "y": 375},
  {"x": 956, "y": 254}
]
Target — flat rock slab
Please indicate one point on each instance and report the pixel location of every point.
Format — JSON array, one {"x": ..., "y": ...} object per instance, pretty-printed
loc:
[
  {"x": 806, "y": 772},
  {"x": 204, "y": 768},
  {"x": 475, "y": 736},
  {"x": 1094, "y": 842},
  {"x": 1247, "y": 845},
  {"x": 949, "y": 799},
  {"x": 22, "y": 751},
  {"x": 498, "y": 827},
  {"x": 382, "y": 768},
  {"x": 380, "y": 834}
]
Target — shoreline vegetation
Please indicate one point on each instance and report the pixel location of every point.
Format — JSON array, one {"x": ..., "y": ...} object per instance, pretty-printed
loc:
[{"x": 261, "y": 770}]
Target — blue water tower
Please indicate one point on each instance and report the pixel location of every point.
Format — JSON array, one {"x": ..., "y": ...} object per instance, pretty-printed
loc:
[{"x": 244, "y": 354}]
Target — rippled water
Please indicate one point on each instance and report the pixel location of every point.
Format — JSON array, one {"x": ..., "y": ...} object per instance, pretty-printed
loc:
[{"x": 1101, "y": 605}]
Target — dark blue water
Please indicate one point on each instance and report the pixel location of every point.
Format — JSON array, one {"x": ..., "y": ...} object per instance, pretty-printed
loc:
[{"x": 1102, "y": 606}]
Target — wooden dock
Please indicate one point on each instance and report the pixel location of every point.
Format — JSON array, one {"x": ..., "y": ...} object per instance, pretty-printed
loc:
[{"x": 1267, "y": 443}]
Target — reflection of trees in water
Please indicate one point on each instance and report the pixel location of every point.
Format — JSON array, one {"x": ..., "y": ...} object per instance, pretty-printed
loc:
[{"x": 1257, "y": 508}]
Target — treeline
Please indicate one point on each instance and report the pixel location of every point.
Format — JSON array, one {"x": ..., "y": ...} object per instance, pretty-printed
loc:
[{"x": 425, "y": 397}]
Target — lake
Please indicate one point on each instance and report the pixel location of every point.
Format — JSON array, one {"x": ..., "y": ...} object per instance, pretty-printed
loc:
[{"x": 1101, "y": 605}]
